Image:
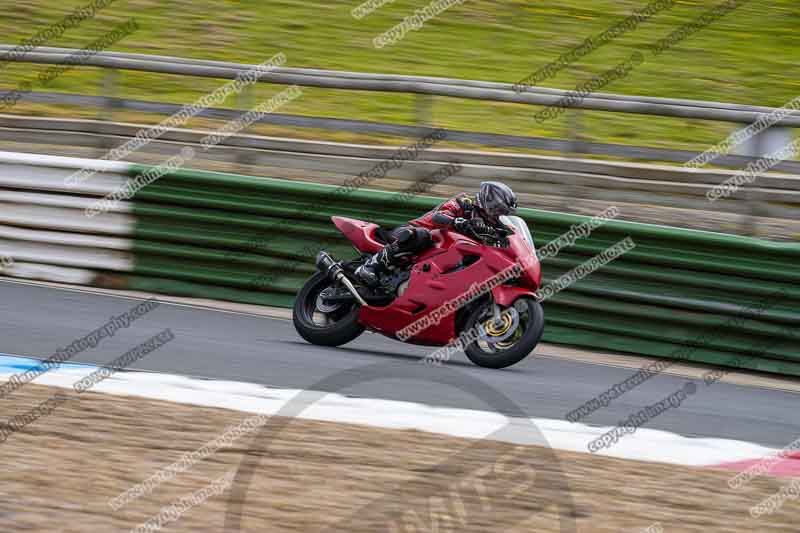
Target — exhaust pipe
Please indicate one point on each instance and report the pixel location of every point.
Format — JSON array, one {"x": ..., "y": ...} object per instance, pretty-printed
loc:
[{"x": 328, "y": 266}]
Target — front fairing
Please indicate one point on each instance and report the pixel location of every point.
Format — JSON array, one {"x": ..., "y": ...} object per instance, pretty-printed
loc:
[{"x": 522, "y": 250}]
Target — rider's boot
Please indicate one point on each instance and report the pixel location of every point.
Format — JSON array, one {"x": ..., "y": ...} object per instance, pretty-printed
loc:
[{"x": 370, "y": 271}]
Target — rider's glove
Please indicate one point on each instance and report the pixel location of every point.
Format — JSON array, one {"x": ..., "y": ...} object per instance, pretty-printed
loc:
[{"x": 479, "y": 227}]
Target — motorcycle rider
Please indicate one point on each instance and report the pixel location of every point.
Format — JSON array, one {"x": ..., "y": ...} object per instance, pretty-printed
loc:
[{"x": 462, "y": 213}]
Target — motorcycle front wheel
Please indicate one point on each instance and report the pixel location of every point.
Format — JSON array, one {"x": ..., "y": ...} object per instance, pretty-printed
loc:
[
  {"x": 322, "y": 324},
  {"x": 503, "y": 343}
]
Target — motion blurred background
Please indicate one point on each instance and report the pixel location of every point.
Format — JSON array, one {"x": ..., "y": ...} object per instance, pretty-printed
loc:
[
  {"x": 721, "y": 305},
  {"x": 749, "y": 57}
]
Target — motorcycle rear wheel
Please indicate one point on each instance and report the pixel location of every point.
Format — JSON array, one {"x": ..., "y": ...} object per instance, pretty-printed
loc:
[
  {"x": 523, "y": 341},
  {"x": 340, "y": 325}
]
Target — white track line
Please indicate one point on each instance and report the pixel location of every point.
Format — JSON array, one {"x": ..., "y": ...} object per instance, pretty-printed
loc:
[{"x": 644, "y": 445}]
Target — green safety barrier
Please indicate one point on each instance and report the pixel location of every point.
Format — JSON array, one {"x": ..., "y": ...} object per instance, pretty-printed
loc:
[{"x": 682, "y": 294}]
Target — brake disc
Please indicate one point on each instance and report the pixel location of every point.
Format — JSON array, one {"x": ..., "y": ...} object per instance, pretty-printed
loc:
[{"x": 493, "y": 332}]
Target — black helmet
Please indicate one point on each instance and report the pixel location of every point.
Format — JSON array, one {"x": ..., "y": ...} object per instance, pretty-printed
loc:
[{"x": 495, "y": 199}]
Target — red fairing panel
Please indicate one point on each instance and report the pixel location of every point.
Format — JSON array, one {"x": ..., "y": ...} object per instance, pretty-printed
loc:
[
  {"x": 360, "y": 233},
  {"x": 435, "y": 279},
  {"x": 506, "y": 295},
  {"x": 532, "y": 277}
]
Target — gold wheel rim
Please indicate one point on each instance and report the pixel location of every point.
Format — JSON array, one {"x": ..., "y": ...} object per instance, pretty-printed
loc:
[{"x": 498, "y": 330}]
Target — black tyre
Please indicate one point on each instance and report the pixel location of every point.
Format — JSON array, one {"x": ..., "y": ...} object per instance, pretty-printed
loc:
[
  {"x": 510, "y": 341},
  {"x": 331, "y": 326}
]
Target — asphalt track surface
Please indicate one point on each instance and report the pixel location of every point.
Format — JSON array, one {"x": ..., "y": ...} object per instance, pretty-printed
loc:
[{"x": 36, "y": 320}]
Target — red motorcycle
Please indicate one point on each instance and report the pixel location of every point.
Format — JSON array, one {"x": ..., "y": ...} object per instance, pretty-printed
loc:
[{"x": 478, "y": 288}]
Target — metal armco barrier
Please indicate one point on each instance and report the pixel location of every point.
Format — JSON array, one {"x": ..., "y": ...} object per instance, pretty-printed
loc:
[
  {"x": 691, "y": 295},
  {"x": 636, "y": 188},
  {"x": 364, "y": 81},
  {"x": 768, "y": 207},
  {"x": 363, "y": 126}
]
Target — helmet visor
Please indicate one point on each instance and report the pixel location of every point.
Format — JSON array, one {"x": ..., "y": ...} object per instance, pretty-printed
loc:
[{"x": 496, "y": 209}]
